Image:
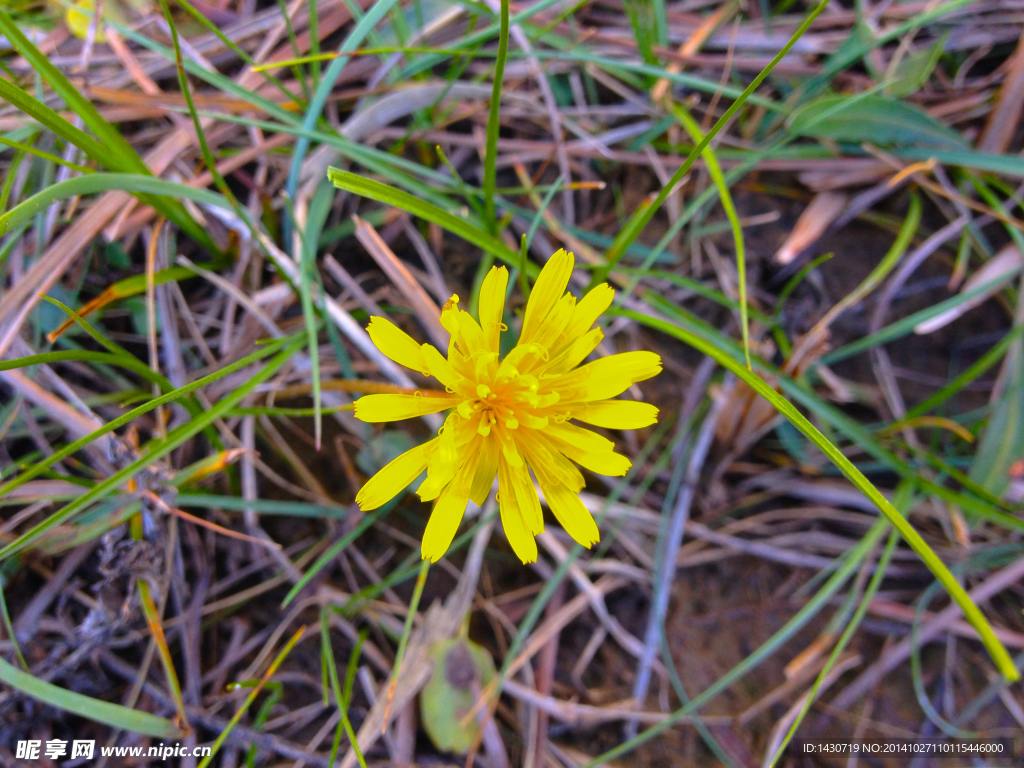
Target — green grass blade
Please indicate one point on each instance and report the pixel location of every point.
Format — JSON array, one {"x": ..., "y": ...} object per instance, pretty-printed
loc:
[
  {"x": 844, "y": 640},
  {"x": 983, "y": 363},
  {"x": 8, "y": 188},
  {"x": 96, "y": 336},
  {"x": 47, "y": 117},
  {"x": 186, "y": 91},
  {"x": 494, "y": 125},
  {"x": 715, "y": 171},
  {"x": 907, "y": 231},
  {"x": 342, "y": 696},
  {"x": 971, "y": 611},
  {"x": 85, "y": 706},
  {"x": 831, "y": 415},
  {"x": 116, "y": 153},
  {"x": 154, "y": 450},
  {"x": 259, "y": 506},
  {"x": 906, "y": 325},
  {"x": 106, "y": 134},
  {"x": 213, "y": 78},
  {"x": 43, "y": 156},
  {"x": 316, "y": 105},
  {"x": 467, "y": 230},
  {"x": 696, "y": 286},
  {"x": 236, "y": 718},
  {"x": 130, "y": 363},
  {"x": 859, "y": 434},
  {"x": 5, "y": 616},
  {"x": 403, "y": 643},
  {"x": 149, "y": 189},
  {"x": 798, "y": 278},
  {"x": 325, "y": 559},
  {"x": 472, "y": 41},
  {"x": 240, "y": 52},
  {"x": 645, "y": 213},
  {"x": 319, "y": 209}
]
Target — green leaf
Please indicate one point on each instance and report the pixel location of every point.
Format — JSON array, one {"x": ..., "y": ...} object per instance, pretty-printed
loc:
[
  {"x": 381, "y": 449},
  {"x": 859, "y": 41},
  {"x": 461, "y": 669},
  {"x": 1005, "y": 165},
  {"x": 88, "y": 707},
  {"x": 914, "y": 70},
  {"x": 849, "y": 53},
  {"x": 878, "y": 119}
]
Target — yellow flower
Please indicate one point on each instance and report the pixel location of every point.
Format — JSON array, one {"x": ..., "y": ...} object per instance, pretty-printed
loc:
[
  {"x": 78, "y": 17},
  {"x": 511, "y": 416}
]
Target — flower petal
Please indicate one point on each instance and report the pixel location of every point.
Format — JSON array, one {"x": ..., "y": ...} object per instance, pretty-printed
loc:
[
  {"x": 485, "y": 470},
  {"x": 492, "y": 306},
  {"x": 443, "y": 463},
  {"x": 589, "y": 449},
  {"x": 611, "y": 464},
  {"x": 550, "y": 285},
  {"x": 395, "y": 343},
  {"x": 443, "y": 524},
  {"x": 379, "y": 408},
  {"x": 574, "y": 353},
  {"x": 615, "y": 414},
  {"x": 605, "y": 378},
  {"x": 588, "y": 309},
  {"x": 465, "y": 331},
  {"x": 435, "y": 364},
  {"x": 571, "y": 514},
  {"x": 526, "y": 499},
  {"x": 449, "y": 312},
  {"x": 394, "y": 477},
  {"x": 447, "y": 513},
  {"x": 554, "y": 322},
  {"x": 519, "y": 536},
  {"x": 509, "y": 451},
  {"x": 583, "y": 438},
  {"x": 550, "y": 464}
]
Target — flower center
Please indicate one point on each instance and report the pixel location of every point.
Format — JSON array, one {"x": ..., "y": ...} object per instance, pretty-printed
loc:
[{"x": 511, "y": 403}]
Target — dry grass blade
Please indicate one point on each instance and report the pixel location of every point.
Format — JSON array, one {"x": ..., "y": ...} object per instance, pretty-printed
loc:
[
  {"x": 824, "y": 208},
  {"x": 427, "y": 312},
  {"x": 995, "y": 273}
]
